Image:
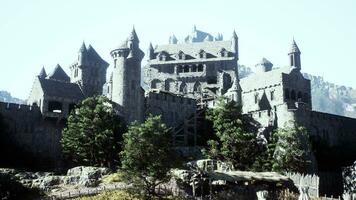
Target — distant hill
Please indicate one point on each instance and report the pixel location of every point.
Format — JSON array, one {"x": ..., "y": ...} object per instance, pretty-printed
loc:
[
  {"x": 326, "y": 97},
  {"x": 6, "y": 97}
]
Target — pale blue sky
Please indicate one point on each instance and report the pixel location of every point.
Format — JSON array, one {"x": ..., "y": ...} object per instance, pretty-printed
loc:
[{"x": 36, "y": 33}]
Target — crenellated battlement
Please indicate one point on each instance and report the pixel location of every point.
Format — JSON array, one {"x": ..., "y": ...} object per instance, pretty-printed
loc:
[{"x": 18, "y": 107}]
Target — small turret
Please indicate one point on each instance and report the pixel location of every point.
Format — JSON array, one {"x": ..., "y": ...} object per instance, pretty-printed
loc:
[
  {"x": 82, "y": 54},
  {"x": 151, "y": 52},
  {"x": 294, "y": 56},
  {"x": 42, "y": 73},
  {"x": 235, "y": 44}
]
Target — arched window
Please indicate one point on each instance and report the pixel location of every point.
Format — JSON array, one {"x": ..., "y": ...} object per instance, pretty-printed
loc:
[
  {"x": 200, "y": 67},
  {"x": 197, "y": 87},
  {"x": 299, "y": 96},
  {"x": 286, "y": 93},
  {"x": 186, "y": 68},
  {"x": 292, "y": 95},
  {"x": 183, "y": 88}
]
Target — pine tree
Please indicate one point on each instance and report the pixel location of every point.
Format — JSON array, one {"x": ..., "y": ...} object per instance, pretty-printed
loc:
[
  {"x": 93, "y": 133},
  {"x": 147, "y": 154}
]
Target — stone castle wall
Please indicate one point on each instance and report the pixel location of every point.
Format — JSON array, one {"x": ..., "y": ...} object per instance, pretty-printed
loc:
[{"x": 37, "y": 138}]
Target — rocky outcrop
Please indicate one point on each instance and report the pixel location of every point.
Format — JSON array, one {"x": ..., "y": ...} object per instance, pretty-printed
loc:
[
  {"x": 77, "y": 176},
  {"x": 332, "y": 98}
]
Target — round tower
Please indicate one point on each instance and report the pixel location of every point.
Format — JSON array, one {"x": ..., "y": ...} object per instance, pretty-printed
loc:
[{"x": 126, "y": 82}]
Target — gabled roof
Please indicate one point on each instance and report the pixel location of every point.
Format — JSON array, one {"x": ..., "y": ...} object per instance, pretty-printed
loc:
[
  {"x": 198, "y": 36},
  {"x": 59, "y": 74},
  {"x": 56, "y": 88}
]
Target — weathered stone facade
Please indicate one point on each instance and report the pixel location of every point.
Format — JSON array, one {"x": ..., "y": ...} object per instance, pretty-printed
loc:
[{"x": 196, "y": 68}]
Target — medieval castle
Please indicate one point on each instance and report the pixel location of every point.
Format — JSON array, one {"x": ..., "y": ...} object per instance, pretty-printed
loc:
[{"x": 183, "y": 77}]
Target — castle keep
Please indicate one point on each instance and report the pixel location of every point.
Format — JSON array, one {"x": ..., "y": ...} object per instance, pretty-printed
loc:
[{"x": 183, "y": 77}]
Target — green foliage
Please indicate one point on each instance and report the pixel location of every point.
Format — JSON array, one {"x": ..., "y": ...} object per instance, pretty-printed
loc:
[
  {"x": 124, "y": 195},
  {"x": 113, "y": 178},
  {"x": 236, "y": 143},
  {"x": 147, "y": 154},
  {"x": 93, "y": 133},
  {"x": 292, "y": 149}
]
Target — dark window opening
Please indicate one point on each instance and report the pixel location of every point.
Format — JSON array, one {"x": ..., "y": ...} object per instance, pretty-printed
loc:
[
  {"x": 286, "y": 94},
  {"x": 200, "y": 68},
  {"x": 194, "y": 68},
  {"x": 71, "y": 107},
  {"x": 272, "y": 95},
  {"x": 306, "y": 98},
  {"x": 179, "y": 68},
  {"x": 186, "y": 68},
  {"x": 256, "y": 98},
  {"x": 55, "y": 106},
  {"x": 300, "y": 96},
  {"x": 292, "y": 95},
  {"x": 211, "y": 80}
]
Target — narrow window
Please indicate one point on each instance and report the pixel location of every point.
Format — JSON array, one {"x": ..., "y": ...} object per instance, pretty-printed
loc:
[
  {"x": 287, "y": 94},
  {"x": 256, "y": 98},
  {"x": 272, "y": 95}
]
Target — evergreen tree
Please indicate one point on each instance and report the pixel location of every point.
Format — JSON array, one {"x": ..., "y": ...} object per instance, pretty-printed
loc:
[
  {"x": 93, "y": 133},
  {"x": 292, "y": 149},
  {"x": 147, "y": 154},
  {"x": 236, "y": 143}
]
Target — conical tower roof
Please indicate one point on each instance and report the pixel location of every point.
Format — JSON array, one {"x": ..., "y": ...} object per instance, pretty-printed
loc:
[
  {"x": 294, "y": 48},
  {"x": 42, "y": 73},
  {"x": 133, "y": 35}
]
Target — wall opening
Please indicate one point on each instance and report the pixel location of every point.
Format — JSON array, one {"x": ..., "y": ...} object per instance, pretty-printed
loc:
[
  {"x": 292, "y": 95},
  {"x": 55, "y": 106}
]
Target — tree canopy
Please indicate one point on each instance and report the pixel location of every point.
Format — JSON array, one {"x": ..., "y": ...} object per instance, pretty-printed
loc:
[
  {"x": 237, "y": 142},
  {"x": 147, "y": 154},
  {"x": 93, "y": 133}
]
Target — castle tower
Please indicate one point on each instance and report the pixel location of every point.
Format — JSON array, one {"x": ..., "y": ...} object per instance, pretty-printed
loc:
[
  {"x": 151, "y": 52},
  {"x": 89, "y": 71},
  {"x": 235, "y": 45},
  {"x": 294, "y": 56},
  {"x": 43, "y": 73},
  {"x": 126, "y": 86}
]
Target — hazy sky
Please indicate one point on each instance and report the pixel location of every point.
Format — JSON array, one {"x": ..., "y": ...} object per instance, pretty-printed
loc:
[{"x": 36, "y": 33}]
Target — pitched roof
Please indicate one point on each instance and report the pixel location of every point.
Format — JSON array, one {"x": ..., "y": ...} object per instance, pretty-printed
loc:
[
  {"x": 93, "y": 55},
  {"x": 197, "y": 36},
  {"x": 59, "y": 74},
  {"x": 56, "y": 88}
]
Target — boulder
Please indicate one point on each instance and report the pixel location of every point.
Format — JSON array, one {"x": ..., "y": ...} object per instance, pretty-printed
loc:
[{"x": 85, "y": 176}]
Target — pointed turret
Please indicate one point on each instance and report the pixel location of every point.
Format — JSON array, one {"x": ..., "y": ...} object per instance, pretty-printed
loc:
[
  {"x": 82, "y": 54},
  {"x": 294, "y": 55},
  {"x": 151, "y": 52},
  {"x": 133, "y": 36},
  {"x": 235, "y": 44},
  {"x": 43, "y": 73},
  {"x": 173, "y": 39}
]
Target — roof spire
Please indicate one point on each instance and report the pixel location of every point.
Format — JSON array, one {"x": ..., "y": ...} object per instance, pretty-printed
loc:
[
  {"x": 133, "y": 35},
  {"x": 294, "y": 48},
  {"x": 43, "y": 73},
  {"x": 83, "y": 48},
  {"x": 173, "y": 39},
  {"x": 234, "y": 35}
]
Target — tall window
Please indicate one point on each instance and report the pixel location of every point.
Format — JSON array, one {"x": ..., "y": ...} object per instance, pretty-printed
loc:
[
  {"x": 272, "y": 95},
  {"x": 256, "y": 98}
]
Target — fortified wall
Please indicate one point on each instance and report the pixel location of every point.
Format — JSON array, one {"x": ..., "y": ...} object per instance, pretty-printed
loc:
[{"x": 33, "y": 137}]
